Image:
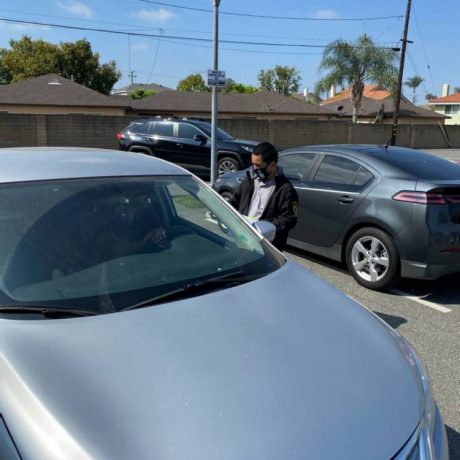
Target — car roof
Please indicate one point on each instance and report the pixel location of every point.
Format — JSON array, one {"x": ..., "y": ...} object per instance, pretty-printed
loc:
[{"x": 48, "y": 163}]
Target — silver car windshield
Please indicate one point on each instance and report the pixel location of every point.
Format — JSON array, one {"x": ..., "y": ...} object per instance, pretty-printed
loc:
[{"x": 108, "y": 244}]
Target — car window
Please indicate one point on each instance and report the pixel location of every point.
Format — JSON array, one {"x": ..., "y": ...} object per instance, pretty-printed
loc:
[
  {"x": 296, "y": 166},
  {"x": 342, "y": 173},
  {"x": 163, "y": 128},
  {"x": 103, "y": 244},
  {"x": 187, "y": 131},
  {"x": 363, "y": 177},
  {"x": 138, "y": 128}
]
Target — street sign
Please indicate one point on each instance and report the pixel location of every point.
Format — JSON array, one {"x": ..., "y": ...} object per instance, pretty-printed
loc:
[{"x": 216, "y": 78}]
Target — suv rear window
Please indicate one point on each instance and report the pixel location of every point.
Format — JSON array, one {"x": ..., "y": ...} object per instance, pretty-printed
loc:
[{"x": 138, "y": 128}]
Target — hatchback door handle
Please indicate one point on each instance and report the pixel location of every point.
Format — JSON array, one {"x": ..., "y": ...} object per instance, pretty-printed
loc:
[{"x": 345, "y": 199}]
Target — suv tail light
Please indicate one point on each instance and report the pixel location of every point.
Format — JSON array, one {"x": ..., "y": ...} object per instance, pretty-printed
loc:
[
  {"x": 426, "y": 197},
  {"x": 119, "y": 136}
]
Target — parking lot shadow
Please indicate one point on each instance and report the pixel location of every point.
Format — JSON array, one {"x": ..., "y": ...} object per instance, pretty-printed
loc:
[
  {"x": 453, "y": 439},
  {"x": 393, "y": 321}
]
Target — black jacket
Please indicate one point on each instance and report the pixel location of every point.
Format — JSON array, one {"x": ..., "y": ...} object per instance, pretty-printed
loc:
[{"x": 281, "y": 209}]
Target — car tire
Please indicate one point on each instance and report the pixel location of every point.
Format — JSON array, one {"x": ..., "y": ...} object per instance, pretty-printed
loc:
[
  {"x": 144, "y": 150},
  {"x": 227, "y": 195},
  {"x": 227, "y": 164},
  {"x": 372, "y": 258}
]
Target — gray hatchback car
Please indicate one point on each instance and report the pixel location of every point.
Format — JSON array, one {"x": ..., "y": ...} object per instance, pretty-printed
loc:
[
  {"x": 142, "y": 318},
  {"x": 388, "y": 212}
]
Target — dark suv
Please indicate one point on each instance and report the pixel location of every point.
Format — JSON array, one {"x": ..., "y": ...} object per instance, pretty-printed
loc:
[{"x": 187, "y": 143}]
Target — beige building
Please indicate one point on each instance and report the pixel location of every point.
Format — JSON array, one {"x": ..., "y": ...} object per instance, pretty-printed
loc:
[
  {"x": 260, "y": 105},
  {"x": 448, "y": 104},
  {"x": 377, "y": 106},
  {"x": 53, "y": 94}
]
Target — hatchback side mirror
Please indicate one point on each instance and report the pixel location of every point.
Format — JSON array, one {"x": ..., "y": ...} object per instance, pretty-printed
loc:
[
  {"x": 266, "y": 229},
  {"x": 200, "y": 138}
]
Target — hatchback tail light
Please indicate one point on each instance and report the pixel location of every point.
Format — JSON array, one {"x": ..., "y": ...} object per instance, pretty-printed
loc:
[
  {"x": 426, "y": 197},
  {"x": 119, "y": 136}
]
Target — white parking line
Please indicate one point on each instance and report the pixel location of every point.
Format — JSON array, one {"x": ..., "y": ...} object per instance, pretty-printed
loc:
[{"x": 419, "y": 300}]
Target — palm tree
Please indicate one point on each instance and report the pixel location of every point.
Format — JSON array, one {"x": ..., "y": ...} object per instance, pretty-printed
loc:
[
  {"x": 355, "y": 64},
  {"x": 414, "y": 82}
]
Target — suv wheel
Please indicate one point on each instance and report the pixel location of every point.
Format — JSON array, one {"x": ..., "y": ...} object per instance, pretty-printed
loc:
[
  {"x": 372, "y": 258},
  {"x": 227, "y": 164}
]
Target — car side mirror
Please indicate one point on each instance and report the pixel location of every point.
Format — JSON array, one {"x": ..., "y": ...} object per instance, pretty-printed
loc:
[
  {"x": 266, "y": 229},
  {"x": 200, "y": 138}
]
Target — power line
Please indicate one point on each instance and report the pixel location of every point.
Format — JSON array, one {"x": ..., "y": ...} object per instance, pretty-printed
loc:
[
  {"x": 287, "y": 18},
  {"x": 424, "y": 53},
  {"x": 136, "y": 28},
  {"x": 138, "y": 34}
]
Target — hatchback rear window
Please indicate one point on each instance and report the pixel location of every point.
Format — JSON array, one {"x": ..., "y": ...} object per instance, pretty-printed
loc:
[{"x": 423, "y": 165}]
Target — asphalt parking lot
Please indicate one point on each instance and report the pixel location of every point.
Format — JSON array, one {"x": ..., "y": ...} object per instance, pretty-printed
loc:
[{"x": 427, "y": 314}]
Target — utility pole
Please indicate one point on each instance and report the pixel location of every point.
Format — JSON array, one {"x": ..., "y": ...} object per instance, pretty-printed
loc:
[
  {"x": 404, "y": 40},
  {"x": 131, "y": 76},
  {"x": 214, "y": 96}
]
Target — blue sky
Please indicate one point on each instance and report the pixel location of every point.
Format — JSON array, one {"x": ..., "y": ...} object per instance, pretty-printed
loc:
[{"x": 433, "y": 29}]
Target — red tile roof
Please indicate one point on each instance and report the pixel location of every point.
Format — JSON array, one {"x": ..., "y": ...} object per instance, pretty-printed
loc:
[
  {"x": 375, "y": 92},
  {"x": 451, "y": 99}
]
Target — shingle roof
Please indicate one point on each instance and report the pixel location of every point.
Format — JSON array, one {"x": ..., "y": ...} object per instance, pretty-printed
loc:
[
  {"x": 451, "y": 99},
  {"x": 261, "y": 102},
  {"x": 146, "y": 86},
  {"x": 370, "y": 108},
  {"x": 52, "y": 89}
]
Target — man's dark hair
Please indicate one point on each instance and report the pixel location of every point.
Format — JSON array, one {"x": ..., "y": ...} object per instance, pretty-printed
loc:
[{"x": 267, "y": 151}]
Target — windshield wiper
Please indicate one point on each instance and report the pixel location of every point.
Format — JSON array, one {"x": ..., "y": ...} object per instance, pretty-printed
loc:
[
  {"x": 183, "y": 291},
  {"x": 45, "y": 310}
]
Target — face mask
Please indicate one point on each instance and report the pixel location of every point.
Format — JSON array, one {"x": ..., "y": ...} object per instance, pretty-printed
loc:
[{"x": 260, "y": 173}]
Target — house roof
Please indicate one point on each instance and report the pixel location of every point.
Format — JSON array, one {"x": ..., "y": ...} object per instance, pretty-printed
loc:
[
  {"x": 146, "y": 86},
  {"x": 451, "y": 99},
  {"x": 370, "y": 91},
  {"x": 370, "y": 108},
  {"x": 260, "y": 102},
  {"x": 52, "y": 89}
]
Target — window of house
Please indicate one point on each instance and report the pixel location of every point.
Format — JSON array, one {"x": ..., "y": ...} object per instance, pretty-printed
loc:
[{"x": 451, "y": 109}]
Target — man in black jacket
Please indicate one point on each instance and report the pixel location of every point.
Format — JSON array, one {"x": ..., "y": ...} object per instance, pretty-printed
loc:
[{"x": 266, "y": 194}]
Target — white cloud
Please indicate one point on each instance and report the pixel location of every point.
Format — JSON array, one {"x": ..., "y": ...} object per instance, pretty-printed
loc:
[
  {"x": 141, "y": 46},
  {"x": 326, "y": 14},
  {"x": 77, "y": 8},
  {"x": 160, "y": 15}
]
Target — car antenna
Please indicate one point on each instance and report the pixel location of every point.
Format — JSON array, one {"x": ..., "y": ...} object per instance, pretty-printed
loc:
[{"x": 385, "y": 146}]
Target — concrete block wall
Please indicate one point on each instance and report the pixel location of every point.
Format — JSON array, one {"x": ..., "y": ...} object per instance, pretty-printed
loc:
[{"x": 101, "y": 131}]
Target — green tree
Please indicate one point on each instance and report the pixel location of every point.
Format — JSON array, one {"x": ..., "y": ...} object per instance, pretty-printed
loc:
[
  {"x": 194, "y": 82},
  {"x": 430, "y": 96},
  {"x": 141, "y": 93},
  {"x": 355, "y": 64},
  {"x": 28, "y": 58},
  {"x": 77, "y": 61},
  {"x": 233, "y": 87},
  {"x": 457, "y": 89},
  {"x": 413, "y": 83},
  {"x": 282, "y": 79}
]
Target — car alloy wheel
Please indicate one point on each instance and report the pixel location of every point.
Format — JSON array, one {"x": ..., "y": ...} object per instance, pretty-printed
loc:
[
  {"x": 226, "y": 165},
  {"x": 372, "y": 258}
]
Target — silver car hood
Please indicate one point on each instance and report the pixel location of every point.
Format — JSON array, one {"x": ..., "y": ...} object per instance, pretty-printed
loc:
[{"x": 250, "y": 372}]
